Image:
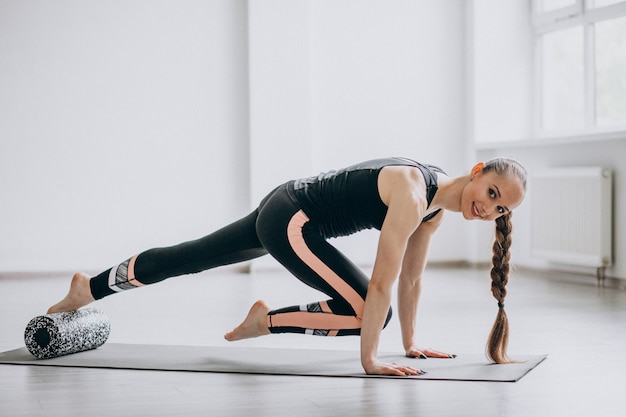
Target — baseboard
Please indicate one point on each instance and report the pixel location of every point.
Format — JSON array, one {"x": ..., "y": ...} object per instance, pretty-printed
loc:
[
  {"x": 574, "y": 277},
  {"x": 246, "y": 267}
]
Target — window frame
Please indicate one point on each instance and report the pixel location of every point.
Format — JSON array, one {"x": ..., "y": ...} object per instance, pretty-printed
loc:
[{"x": 577, "y": 14}]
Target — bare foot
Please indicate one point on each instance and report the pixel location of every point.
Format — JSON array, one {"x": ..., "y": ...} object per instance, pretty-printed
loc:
[
  {"x": 254, "y": 325},
  {"x": 78, "y": 296}
]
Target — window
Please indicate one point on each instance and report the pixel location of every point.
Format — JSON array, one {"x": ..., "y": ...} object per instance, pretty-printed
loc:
[
  {"x": 581, "y": 66},
  {"x": 563, "y": 79},
  {"x": 610, "y": 80}
]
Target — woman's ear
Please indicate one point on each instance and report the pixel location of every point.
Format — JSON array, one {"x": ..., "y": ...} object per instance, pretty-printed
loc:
[{"x": 478, "y": 168}]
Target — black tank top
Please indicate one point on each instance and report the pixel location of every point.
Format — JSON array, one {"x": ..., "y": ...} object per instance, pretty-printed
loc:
[{"x": 345, "y": 201}]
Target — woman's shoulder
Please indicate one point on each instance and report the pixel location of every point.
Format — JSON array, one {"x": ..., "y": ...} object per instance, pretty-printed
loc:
[{"x": 401, "y": 181}]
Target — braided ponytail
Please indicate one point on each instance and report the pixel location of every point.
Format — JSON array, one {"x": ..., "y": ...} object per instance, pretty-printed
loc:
[{"x": 499, "y": 336}]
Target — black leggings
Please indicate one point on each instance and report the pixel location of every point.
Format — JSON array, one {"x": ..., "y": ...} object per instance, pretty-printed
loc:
[{"x": 279, "y": 227}]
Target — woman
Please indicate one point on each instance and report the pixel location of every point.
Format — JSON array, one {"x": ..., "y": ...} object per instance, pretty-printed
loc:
[{"x": 402, "y": 198}]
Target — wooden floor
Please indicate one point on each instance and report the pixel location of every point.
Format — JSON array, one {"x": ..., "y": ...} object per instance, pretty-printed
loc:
[{"x": 581, "y": 327}]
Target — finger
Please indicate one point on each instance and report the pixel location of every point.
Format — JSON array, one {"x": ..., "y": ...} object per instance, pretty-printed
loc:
[
  {"x": 413, "y": 371},
  {"x": 437, "y": 354},
  {"x": 392, "y": 368},
  {"x": 395, "y": 371},
  {"x": 409, "y": 371},
  {"x": 416, "y": 354}
]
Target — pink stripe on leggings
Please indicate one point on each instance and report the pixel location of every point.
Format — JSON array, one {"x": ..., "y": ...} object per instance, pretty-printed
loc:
[
  {"x": 331, "y": 321},
  {"x": 307, "y": 320}
]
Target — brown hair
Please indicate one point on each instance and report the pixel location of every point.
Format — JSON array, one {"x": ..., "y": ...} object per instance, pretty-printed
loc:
[{"x": 499, "y": 335}]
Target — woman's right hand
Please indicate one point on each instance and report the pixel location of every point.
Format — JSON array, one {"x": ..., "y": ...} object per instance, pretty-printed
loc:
[{"x": 391, "y": 368}]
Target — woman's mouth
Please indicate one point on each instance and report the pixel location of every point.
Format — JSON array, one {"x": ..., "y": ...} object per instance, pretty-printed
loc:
[{"x": 475, "y": 212}]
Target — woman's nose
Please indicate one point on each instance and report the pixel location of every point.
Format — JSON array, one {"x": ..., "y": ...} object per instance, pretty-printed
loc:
[{"x": 490, "y": 209}]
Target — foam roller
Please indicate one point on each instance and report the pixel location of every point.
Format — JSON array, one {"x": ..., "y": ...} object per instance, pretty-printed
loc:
[{"x": 59, "y": 334}]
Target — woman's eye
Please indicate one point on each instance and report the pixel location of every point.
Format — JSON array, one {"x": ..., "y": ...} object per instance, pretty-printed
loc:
[
  {"x": 492, "y": 193},
  {"x": 500, "y": 209}
]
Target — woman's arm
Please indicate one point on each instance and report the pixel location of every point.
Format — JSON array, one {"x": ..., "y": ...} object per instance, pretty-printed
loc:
[
  {"x": 410, "y": 285},
  {"x": 406, "y": 206}
]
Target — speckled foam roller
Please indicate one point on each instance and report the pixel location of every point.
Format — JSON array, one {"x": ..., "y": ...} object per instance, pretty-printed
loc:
[{"x": 59, "y": 334}]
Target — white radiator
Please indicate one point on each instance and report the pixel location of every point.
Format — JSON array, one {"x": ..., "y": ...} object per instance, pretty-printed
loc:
[{"x": 571, "y": 212}]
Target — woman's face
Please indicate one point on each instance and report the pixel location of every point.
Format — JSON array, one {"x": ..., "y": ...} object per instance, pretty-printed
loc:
[{"x": 490, "y": 195}]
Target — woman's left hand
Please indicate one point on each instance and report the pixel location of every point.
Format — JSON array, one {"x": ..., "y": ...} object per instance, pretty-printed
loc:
[{"x": 423, "y": 353}]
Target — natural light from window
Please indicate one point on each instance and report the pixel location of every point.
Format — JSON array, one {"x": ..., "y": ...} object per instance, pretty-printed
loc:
[
  {"x": 549, "y": 5},
  {"x": 581, "y": 72},
  {"x": 563, "y": 80},
  {"x": 610, "y": 60},
  {"x": 602, "y": 3}
]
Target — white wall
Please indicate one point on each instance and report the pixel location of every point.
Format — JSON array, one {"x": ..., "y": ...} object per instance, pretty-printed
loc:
[
  {"x": 500, "y": 70},
  {"x": 388, "y": 76},
  {"x": 127, "y": 125},
  {"x": 123, "y": 125},
  {"x": 280, "y": 85}
]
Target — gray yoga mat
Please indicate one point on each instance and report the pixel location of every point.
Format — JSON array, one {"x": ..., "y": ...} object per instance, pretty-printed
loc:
[{"x": 273, "y": 361}]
